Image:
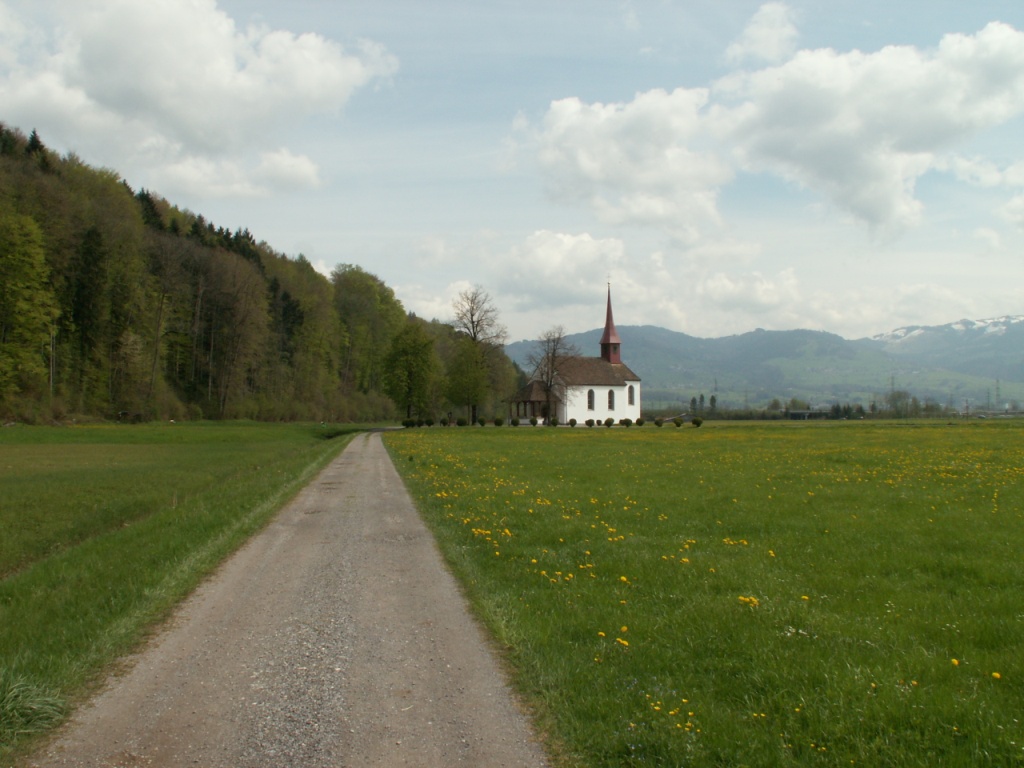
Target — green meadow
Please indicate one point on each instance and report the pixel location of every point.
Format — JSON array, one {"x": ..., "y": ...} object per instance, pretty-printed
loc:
[
  {"x": 745, "y": 595},
  {"x": 104, "y": 528}
]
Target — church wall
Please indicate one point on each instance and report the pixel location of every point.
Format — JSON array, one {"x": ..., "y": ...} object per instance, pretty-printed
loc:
[{"x": 575, "y": 406}]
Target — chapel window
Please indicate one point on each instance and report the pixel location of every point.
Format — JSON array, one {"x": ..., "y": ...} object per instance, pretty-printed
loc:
[
  {"x": 611, "y": 399},
  {"x": 590, "y": 400},
  {"x": 632, "y": 395}
]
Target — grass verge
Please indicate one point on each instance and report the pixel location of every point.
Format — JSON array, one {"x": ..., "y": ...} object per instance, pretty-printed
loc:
[
  {"x": 760, "y": 595},
  {"x": 106, "y": 528}
]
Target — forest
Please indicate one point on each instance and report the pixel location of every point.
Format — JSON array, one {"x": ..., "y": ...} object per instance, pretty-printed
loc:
[{"x": 115, "y": 304}]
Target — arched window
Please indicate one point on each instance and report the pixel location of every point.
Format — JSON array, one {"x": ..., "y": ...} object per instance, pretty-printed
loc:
[
  {"x": 590, "y": 400},
  {"x": 611, "y": 399},
  {"x": 632, "y": 395}
]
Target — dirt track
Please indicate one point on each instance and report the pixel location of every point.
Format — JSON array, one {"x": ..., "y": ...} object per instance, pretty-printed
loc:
[{"x": 334, "y": 638}]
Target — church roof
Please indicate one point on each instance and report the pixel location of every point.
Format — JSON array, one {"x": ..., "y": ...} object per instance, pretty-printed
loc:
[
  {"x": 533, "y": 392},
  {"x": 611, "y": 335},
  {"x": 595, "y": 371}
]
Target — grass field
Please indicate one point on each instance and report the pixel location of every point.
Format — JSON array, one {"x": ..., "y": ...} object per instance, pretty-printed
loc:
[
  {"x": 105, "y": 528},
  {"x": 759, "y": 595}
]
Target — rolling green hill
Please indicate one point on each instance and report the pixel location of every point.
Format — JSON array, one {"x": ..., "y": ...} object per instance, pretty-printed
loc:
[{"x": 949, "y": 365}]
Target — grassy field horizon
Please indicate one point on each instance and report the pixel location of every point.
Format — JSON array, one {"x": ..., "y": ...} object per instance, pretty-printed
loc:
[
  {"x": 107, "y": 527},
  {"x": 745, "y": 594}
]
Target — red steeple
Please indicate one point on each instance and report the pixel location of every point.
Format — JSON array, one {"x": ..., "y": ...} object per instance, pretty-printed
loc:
[{"x": 610, "y": 341}]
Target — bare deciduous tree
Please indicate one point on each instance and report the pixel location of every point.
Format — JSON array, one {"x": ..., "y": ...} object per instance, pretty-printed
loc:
[
  {"x": 548, "y": 360},
  {"x": 477, "y": 317}
]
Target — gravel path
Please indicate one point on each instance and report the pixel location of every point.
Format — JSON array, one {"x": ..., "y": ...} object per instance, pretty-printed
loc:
[{"x": 336, "y": 637}]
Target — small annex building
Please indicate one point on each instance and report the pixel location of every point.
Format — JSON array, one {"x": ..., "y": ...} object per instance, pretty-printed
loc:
[{"x": 595, "y": 388}]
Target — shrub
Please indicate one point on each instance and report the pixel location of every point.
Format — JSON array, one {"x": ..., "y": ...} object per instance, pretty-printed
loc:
[
  {"x": 608, "y": 422},
  {"x": 444, "y": 421},
  {"x": 482, "y": 421},
  {"x": 429, "y": 422},
  {"x": 658, "y": 422},
  {"x": 677, "y": 421},
  {"x": 514, "y": 421},
  {"x": 697, "y": 421},
  {"x": 461, "y": 422},
  {"x": 626, "y": 422},
  {"x": 572, "y": 422},
  {"x": 420, "y": 422},
  {"x": 640, "y": 422},
  {"x": 589, "y": 422},
  {"x": 407, "y": 423},
  {"x": 498, "y": 421},
  {"x": 533, "y": 421},
  {"x": 553, "y": 421}
]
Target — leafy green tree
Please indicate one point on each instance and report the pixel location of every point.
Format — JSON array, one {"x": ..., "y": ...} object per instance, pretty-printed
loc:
[
  {"x": 411, "y": 368},
  {"x": 467, "y": 374},
  {"x": 28, "y": 308},
  {"x": 370, "y": 317}
]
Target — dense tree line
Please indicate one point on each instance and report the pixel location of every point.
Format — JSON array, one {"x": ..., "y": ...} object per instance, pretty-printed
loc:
[{"x": 114, "y": 303}]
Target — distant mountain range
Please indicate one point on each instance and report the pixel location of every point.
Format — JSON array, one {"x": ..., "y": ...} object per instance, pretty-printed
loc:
[{"x": 980, "y": 362}]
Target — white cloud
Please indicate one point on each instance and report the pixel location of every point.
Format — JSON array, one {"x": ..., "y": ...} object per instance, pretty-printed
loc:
[
  {"x": 751, "y": 292},
  {"x": 989, "y": 238},
  {"x": 770, "y": 36},
  {"x": 283, "y": 169},
  {"x": 554, "y": 268},
  {"x": 178, "y": 82},
  {"x": 641, "y": 162},
  {"x": 1013, "y": 211},
  {"x": 862, "y": 128},
  {"x": 858, "y": 129}
]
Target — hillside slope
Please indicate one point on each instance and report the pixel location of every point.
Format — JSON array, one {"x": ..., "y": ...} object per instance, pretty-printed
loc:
[{"x": 981, "y": 362}]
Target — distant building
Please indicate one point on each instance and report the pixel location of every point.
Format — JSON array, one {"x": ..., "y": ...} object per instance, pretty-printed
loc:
[{"x": 595, "y": 388}]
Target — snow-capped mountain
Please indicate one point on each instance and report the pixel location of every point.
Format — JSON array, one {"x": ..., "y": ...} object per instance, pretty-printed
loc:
[
  {"x": 991, "y": 348},
  {"x": 966, "y": 328}
]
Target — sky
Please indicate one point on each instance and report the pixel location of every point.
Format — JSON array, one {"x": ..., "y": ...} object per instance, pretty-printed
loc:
[{"x": 852, "y": 166}]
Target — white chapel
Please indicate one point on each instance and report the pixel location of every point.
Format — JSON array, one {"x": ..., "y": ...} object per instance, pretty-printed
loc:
[{"x": 595, "y": 388}]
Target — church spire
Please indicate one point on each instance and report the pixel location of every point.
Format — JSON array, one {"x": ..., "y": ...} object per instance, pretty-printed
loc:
[{"x": 610, "y": 341}]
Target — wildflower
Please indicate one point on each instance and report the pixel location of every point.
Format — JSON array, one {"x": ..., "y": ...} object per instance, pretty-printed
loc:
[
  {"x": 620, "y": 641},
  {"x": 996, "y": 676},
  {"x": 956, "y": 662}
]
